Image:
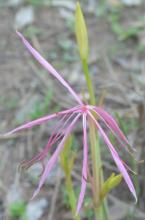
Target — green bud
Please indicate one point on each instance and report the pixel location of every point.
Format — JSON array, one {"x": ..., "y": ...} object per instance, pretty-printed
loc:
[
  {"x": 81, "y": 32},
  {"x": 109, "y": 184},
  {"x": 115, "y": 181}
]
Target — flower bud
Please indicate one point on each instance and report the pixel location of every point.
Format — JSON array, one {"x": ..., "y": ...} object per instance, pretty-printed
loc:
[
  {"x": 81, "y": 33},
  {"x": 109, "y": 184}
]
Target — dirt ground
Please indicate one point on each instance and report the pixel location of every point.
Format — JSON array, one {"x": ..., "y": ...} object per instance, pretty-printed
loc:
[{"x": 118, "y": 73}]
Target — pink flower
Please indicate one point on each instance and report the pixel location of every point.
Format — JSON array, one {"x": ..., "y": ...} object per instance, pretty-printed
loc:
[{"x": 67, "y": 119}]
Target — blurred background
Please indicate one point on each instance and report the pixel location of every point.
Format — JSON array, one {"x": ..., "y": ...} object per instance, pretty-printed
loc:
[{"x": 117, "y": 64}]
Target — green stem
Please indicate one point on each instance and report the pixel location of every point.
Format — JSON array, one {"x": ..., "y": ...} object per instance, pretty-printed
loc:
[
  {"x": 89, "y": 82},
  {"x": 96, "y": 162},
  {"x": 71, "y": 195},
  {"x": 101, "y": 212}
]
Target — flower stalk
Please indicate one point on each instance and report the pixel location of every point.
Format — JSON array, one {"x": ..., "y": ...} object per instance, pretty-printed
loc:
[
  {"x": 88, "y": 81},
  {"x": 100, "y": 209},
  {"x": 82, "y": 41}
]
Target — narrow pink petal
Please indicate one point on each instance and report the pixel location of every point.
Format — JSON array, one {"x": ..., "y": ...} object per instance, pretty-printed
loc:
[
  {"x": 54, "y": 157},
  {"x": 49, "y": 67},
  {"x": 55, "y": 135},
  {"x": 40, "y": 121},
  {"x": 58, "y": 132},
  {"x": 112, "y": 124},
  {"x": 85, "y": 165},
  {"x": 116, "y": 158}
]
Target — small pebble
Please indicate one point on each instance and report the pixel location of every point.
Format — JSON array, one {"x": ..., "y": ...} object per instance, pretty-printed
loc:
[{"x": 24, "y": 17}]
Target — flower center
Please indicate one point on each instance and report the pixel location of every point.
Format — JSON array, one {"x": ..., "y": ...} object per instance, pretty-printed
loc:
[{"x": 84, "y": 108}]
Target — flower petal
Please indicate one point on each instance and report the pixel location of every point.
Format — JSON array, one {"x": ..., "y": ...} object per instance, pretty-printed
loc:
[
  {"x": 116, "y": 158},
  {"x": 49, "y": 67},
  {"x": 113, "y": 126},
  {"x": 56, "y": 135},
  {"x": 40, "y": 121},
  {"x": 54, "y": 157},
  {"x": 85, "y": 165}
]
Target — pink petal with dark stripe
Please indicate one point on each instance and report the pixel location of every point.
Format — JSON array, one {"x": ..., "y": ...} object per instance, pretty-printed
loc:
[
  {"x": 116, "y": 158},
  {"x": 55, "y": 156},
  {"x": 40, "y": 121},
  {"x": 112, "y": 124}
]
